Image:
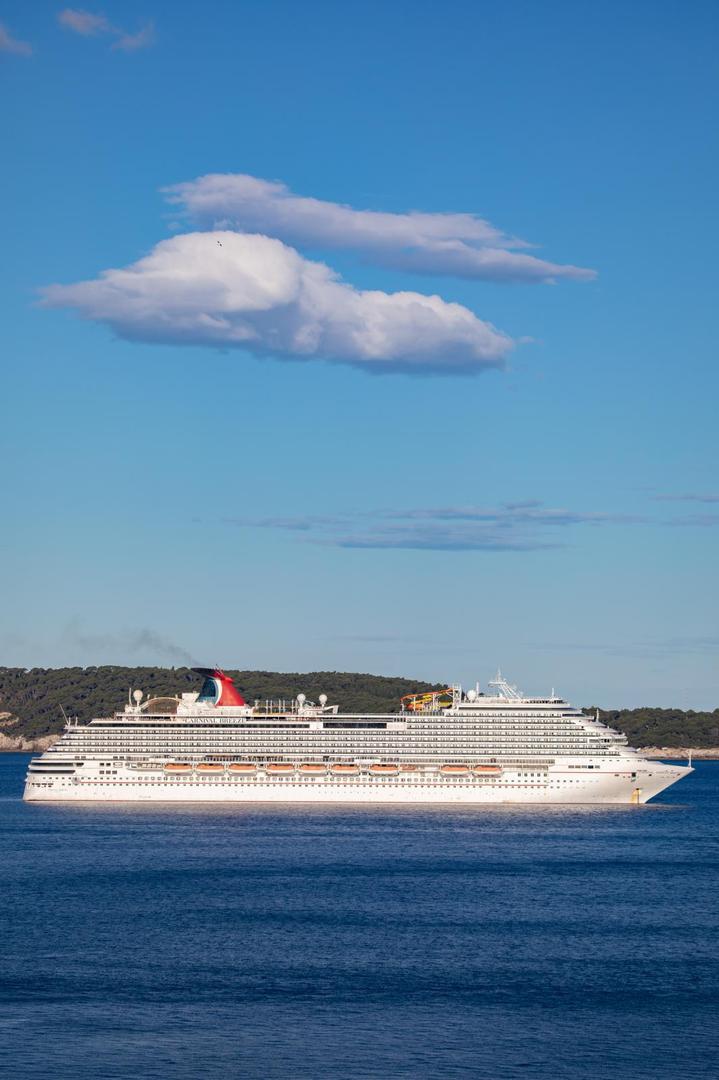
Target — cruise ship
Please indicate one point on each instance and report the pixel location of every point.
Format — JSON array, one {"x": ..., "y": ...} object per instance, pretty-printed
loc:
[{"x": 451, "y": 746}]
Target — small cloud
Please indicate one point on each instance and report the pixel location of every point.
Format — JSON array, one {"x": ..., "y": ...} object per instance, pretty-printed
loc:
[
  {"x": 443, "y": 539},
  {"x": 528, "y": 512},
  {"x": 460, "y": 245},
  {"x": 9, "y": 44},
  {"x": 292, "y": 524},
  {"x": 705, "y": 497},
  {"x": 697, "y": 521},
  {"x": 141, "y": 40},
  {"x": 85, "y": 23},
  {"x": 525, "y": 504},
  {"x": 90, "y": 24}
]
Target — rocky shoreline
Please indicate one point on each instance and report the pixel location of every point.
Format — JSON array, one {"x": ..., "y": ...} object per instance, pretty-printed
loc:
[
  {"x": 15, "y": 743},
  {"x": 706, "y": 753}
]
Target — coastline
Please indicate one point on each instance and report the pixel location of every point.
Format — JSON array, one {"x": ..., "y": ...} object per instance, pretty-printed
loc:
[
  {"x": 706, "y": 753},
  {"x": 12, "y": 744}
]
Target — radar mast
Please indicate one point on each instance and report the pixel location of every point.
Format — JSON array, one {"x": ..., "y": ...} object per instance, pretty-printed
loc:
[{"x": 503, "y": 688}]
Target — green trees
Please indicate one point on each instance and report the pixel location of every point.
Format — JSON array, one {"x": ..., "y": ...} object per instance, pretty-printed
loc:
[{"x": 648, "y": 726}]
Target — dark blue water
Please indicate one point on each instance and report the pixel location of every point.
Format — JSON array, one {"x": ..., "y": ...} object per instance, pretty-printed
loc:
[{"x": 360, "y": 943}]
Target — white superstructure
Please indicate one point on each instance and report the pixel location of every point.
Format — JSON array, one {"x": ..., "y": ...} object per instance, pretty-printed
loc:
[{"x": 447, "y": 747}]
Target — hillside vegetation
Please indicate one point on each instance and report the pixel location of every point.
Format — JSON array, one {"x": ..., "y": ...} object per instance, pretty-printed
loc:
[
  {"x": 664, "y": 727},
  {"x": 31, "y": 700}
]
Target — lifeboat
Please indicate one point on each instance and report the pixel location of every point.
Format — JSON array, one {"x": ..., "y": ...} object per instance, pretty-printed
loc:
[
  {"x": 344, "y": 770},
  {"x": 178, "y": 766},
  {"x": 408, "y": 768},
  {"x": 280, "y": 768},
  {"x": 384, "y": 770},
  {"x": 209, "y": 767},
  {"x": 454, "y": 770},
  {"x": 313, "y": 768},
  {"x": 486, "y": 770},
  {"x": 243, "y": 767}
]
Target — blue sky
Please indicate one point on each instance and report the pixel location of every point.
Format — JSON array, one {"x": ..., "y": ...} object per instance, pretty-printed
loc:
[{"x": 518, "y": 473}]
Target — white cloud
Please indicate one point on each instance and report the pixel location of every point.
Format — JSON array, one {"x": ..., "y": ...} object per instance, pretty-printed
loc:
[
  {"x": 84, "y": 22},
  {"x": 457, "y": 244},
  {"x": 255, "y": 293},
  {"x": 141, "y": 40},
  {"x": 9, "y": 44},
  {"x": 89, "y": 24}
]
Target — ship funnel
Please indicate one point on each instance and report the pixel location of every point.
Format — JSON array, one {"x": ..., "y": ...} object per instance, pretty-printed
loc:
[{"x": 218, "y": 688}]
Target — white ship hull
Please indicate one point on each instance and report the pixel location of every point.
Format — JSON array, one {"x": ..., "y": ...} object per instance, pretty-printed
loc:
[{"x": 643, "y": 782}]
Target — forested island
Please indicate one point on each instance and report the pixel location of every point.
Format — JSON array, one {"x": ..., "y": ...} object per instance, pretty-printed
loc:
[{"x": 31, "y": 701}]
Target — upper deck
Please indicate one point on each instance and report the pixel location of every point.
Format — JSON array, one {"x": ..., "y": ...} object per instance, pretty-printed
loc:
[{"x": 479, "y": 721}]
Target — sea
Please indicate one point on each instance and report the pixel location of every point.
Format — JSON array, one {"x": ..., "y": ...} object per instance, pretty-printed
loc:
[{"x": 293, "y": 942}]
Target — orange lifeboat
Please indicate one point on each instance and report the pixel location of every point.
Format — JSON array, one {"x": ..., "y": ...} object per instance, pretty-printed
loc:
[
  {"x": 209, "y": 767},
  {"x": 384, "y": 770},
  {"x": 454, "y": 770},
  {"x": 313, "y": 768},
  {"x": 178, "y": 766},
  {"x": 280, "y": 768},
  {"x": 408, "y": 768},
  {"x": 344, "y": 770},
  {"x": 243, "y": 767},
  {"x": 486, "y": 770}
]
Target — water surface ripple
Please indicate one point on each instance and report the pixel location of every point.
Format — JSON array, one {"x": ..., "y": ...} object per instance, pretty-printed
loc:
[{"x": 351, "y": 943}]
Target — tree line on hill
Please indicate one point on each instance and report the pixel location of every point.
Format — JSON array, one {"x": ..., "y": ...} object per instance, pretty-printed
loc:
[{"x": 31, "y": 701}]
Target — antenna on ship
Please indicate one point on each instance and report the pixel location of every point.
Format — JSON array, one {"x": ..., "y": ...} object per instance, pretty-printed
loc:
[{"x": 505, "y": 689}]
